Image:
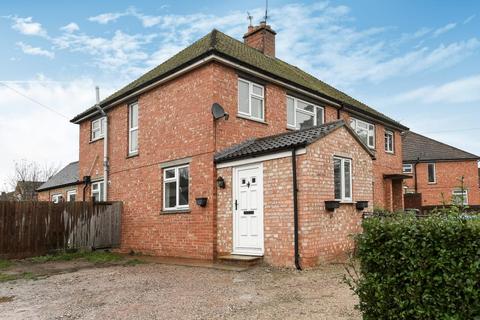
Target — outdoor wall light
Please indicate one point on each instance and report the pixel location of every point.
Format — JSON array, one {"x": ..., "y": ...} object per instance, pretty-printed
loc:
[
  {"x": 202, "y": 202},
  {"x": 221, "y": 182}
]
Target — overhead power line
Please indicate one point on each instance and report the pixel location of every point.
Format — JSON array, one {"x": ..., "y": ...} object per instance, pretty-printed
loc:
[{"x": 35, "y": 101}]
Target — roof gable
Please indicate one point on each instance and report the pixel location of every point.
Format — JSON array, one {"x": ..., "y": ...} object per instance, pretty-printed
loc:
[
  {"x": 420, "y": 148},
  {"x": 217, "y": 42}
]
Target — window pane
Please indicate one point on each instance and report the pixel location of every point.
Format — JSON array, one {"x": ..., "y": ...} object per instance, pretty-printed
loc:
[
  {"x": 337, "y": 163},
  {"x": 258, "y": 90},
  {"x": 347, "y": 170},
  {"x": 363, "y": 135},
  {"x": 102, "y": 194},
  {"x": 243, "y": 96},
  {"x": 290, "y": 111},
  {"x": 431, "y": 172},
  {"x": 169, "y": 173},
  {"x": 170, "y": 194},
  {"x": 319, "y": 116},
  {"x": 183, "y": 191},
  {"x": 305, "y": 106},
  {"x": 304, "y": 120},
  {"x": 134, "y": 140},
  {"x": 134, "y": 116},
  {"x": 257, "y": 108},
  {"x": 95, "y": 125}
]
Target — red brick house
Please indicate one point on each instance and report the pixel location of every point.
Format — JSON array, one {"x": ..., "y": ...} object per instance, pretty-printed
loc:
[
  {"x": 438, "y": 170},
  {"x": 63, "y": 186},
  {"x": 196, "y": 184}
]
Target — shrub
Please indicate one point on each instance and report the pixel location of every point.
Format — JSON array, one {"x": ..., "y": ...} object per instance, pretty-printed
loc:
[{"x": 413, "y": 268}]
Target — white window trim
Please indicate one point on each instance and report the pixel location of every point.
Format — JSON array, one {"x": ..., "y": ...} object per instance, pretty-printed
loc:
[
  {"x": 392, "y": 135},
  {"x": 71, "y": 192},
  {"x": 353, "y": 124},
  {"x": 310, "y": 113},
  {"x": 434, "y": 173},
  {"x": 407, "y": 165},
  {"x": 132, "y": 129},
  {"x": 101, "y": 128},
  {"x": 250, "y": 95},
  {"x": 100, "y": 185},
  {"x": 57, "y": 196},
  {"x": 465, "y": 195},
  {"x": 177, "y": 190},
  {"x": 342, "y": 179}
]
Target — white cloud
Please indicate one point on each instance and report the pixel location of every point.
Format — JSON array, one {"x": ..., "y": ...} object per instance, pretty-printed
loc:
[
  {"x": 444, "y": 29},
  {"x": 469, "y": 19},
  {"x": 71, "y": 27},
  {"x": 35, "y": 51},
  {"x": 464, "y": 90},
  {"x": 105, "y": 18},
  {"x": 28, "y": 27}
]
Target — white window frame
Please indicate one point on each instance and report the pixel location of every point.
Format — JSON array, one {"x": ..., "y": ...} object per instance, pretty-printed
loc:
[
  {"x": 132, "y": 129},
  {"x": 250, "y": 95},
  {"x": 100, "y": 129},
  {"x": 57, "y": 198},
  {"x": 342, "y": 179},
  {"x": 409, "y": 165},
  {"x": 458, "y": 193},
  {"x": 97, "y": 187},
  {"x": 177, "y": 190},
  {"x": 70, "y": 193},
  {"x": 389, "y": 134},
  {"x": 434, "y": 173},
  {"x": 370, "y": 130},
  {"x": 310, "y": 113}
]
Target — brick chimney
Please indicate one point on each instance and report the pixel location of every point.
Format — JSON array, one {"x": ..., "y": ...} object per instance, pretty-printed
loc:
[{"x": 262, "y": 38}]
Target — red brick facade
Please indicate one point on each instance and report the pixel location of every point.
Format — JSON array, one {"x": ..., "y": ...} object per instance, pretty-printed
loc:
[
  {"x": 47, "y": 194},
  {"x": 448, "y": 179}
]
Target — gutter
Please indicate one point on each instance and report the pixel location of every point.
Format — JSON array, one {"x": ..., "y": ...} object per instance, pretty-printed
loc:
[
  {"x": 295, "y": 210},
  {"x": 105, "y": 145}
]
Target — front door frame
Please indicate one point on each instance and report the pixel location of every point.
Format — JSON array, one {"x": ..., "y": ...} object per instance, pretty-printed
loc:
[{"x": 235, "y": 181}]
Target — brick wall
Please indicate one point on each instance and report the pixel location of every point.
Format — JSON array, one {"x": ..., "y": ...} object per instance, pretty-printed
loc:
[
  {"x": 47, "y": 195},
  {"x": 448, "y": 175},
  {"x": 323, "y": 236}
]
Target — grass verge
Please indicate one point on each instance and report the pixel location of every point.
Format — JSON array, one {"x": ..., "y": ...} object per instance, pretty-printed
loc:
[
  {"x": 90, "y": 256},
  {"x": 4, "y": 264}
]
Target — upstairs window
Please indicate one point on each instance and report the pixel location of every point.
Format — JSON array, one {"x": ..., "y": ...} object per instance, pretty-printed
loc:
[
  {"x": 251, "y": 99},
  {"x": 98, "y": 193},
  {"x": 407, "y": 168},
  {"x": 175, "y": 188},
  {"x": 431, "y": 173},
  {"x": 133, "y": 128},
  {"x": 302, "y": 114},
  {"x": 389, "y": 142},
  {"x": 365, "y": 130},
  {"x": 460, "y": 197},
  {"x": 342, "y": 178},
  {"x": 98, "y": 129}
]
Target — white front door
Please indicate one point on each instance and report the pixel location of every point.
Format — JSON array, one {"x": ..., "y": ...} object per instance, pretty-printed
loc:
[{"x": 248, "y": 210}]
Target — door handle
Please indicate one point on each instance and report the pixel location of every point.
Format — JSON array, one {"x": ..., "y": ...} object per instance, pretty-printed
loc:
[
  {"x": 248, "y": 212},
  {"x": 236, "y": 205}
]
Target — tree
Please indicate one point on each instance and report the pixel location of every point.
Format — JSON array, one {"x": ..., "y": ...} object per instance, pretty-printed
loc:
[{"x": 29, "y": 175}]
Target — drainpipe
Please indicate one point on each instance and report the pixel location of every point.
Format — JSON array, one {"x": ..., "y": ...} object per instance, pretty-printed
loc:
[
  {"x": 415, "y": 173},
  {"x": 338, "y": 111},
  {"x": 295, "y": 209},
  {"x": 105, "y": 145}
]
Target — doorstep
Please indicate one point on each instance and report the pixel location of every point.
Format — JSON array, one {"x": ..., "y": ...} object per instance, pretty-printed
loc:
[
  {"x": 186, "y": 262},
  {"x": 239, "y": 260}
]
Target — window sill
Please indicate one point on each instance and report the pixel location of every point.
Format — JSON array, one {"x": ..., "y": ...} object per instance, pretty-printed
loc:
[
  {"x": 98, "y": 139},
  {"x": 242, "y": 116},
  {"x": 347, "y": 202},
  {"x": 176, "y": 211},
  {"x": 132, "y": 155},
  {"x": 390, "y": 153}
]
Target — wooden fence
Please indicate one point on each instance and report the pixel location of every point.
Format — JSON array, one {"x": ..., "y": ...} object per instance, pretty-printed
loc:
[{"x": 31, "y": 228}]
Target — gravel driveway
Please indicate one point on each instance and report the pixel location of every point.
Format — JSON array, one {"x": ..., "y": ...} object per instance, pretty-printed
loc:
[{"x": 158, "y": 291}]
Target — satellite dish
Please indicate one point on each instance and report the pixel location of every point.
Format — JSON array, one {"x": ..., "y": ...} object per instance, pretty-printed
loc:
[{"x": 218, "y": 112}]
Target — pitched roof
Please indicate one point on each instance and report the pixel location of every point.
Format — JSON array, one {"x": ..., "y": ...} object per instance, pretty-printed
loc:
[
  {"x": 66, "y": 176},
  {"x": 281, "y": 142},
  {"x": 421, "y": 148},
  {"x": 219, "y": 43}
]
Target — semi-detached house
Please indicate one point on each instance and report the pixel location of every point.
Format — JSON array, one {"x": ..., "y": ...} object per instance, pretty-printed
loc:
[{"x": 259, "y": 176}]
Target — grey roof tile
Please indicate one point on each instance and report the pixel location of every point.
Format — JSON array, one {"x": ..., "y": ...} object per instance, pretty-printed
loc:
[{"x": 66, "y": 176}]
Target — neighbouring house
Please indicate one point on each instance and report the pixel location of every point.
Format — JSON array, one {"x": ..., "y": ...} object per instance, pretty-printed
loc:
[
  {"x": 204, "y": 151},
  {"x": 441, "y": 173},
  {"x": 7, "y": 196},
  {"x": 24, "y": 191},
  {"x": 63, "y": 186}
]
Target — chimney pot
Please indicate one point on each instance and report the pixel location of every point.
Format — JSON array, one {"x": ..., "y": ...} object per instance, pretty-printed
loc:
[{"x": 262, "y": 38}]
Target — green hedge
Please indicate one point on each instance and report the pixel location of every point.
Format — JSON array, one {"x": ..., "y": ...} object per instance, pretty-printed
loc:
[{"x": 419, "y": 268}]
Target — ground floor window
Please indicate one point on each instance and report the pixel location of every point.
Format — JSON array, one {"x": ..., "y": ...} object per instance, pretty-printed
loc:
[
  {"x": 342, "y": 172},
  {"x": 407, "y": 168},
  {"x": 98, "y": 191},
  {"x": 71, "y": 195},
  {"x": 460, "y": 197},
  {"x": 57, "y": 198},
  {"x": 175, "y": 188}
]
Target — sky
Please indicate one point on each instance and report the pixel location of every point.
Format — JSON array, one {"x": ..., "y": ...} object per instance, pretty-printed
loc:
[{"x": 416, "y": 61}]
